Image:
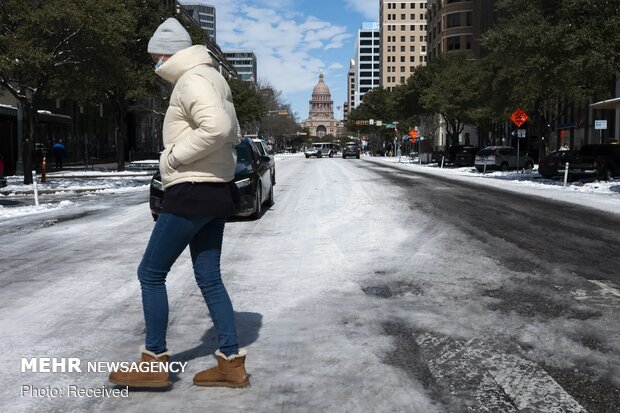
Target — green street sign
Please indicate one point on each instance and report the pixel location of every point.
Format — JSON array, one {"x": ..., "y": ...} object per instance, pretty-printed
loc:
[{"x": 390, "y": 126}]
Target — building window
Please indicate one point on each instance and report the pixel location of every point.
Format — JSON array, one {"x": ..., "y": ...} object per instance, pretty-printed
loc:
[
  {"x": 453, "y": 20},
  {"x": 402, "y": 16},
  {"x": 402, "y": 59},
  {"x": 412, "y": 27},
  {"x": 468, "y": 42},
  {"x": 412, "y": 59},
  {"x": 402, "y": 69},
  {"x": 453, "y": 43},
  {"x": 402, "y": 39},
  {"x": 402, "y": 48},
  {"x": 402, "y": 27},
  {"x": 412, "y": 49},
  {"x": 468, "y": 18}
]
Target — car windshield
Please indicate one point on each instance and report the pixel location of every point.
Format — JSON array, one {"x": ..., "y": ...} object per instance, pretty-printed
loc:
[
  {"x": 244, "y": 153},
  {"x": 485, "y": 152},
  {"x": 352, "y": 146},
  {"x": 469, "y": 150}
]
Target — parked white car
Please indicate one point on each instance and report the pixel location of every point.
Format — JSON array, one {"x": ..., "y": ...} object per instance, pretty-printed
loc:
[{"x": 502, "y": 158}]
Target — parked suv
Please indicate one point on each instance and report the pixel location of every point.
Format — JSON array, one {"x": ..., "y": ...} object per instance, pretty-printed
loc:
[
  {"x": 502, "y": 158},
  {"x": 595, "y": 160},
  {"x": 351, "y": 149}
]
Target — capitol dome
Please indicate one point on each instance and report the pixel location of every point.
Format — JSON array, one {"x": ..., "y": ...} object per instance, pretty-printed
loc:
[{"x": 321, "y": 88}]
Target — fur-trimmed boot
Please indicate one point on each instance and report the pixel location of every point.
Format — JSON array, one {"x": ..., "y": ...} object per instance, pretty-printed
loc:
[
  {"x": 229, "y": 372},
  {"x": 156, "y": 376}
]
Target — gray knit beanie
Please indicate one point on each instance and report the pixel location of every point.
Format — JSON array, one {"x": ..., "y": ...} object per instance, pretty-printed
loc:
[{"x": 169, "y": 38}]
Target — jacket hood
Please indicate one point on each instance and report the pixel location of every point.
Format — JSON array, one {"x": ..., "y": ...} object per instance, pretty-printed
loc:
[{"x": 182, "y": 61}]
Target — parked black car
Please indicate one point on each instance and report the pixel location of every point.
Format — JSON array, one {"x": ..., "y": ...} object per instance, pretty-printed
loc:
[
  {"x": 252, "y": 176},
  {"x": 466, "y": 156},
  {"x": 601, "y": 161},
  {"x": 351, "y": 149},
  {"x": 553, "y": 164}
]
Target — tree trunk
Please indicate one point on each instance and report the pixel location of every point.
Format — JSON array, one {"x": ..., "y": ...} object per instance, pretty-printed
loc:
[
  {"x": 121, "y": 134},
  {"x": 28, "y": 141}
]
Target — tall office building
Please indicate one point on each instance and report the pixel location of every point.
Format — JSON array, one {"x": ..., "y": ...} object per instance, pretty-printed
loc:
[
  {"x": 244, "y": 62},
  {"x": 348, "y": 105},
  {"x": 368, "y": 59},
  {"x": 204, "y": 14},
  {"x": 403, "y": 39}
]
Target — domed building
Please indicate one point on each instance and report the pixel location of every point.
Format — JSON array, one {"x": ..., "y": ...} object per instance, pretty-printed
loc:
[{"x": 321, "y": 119}]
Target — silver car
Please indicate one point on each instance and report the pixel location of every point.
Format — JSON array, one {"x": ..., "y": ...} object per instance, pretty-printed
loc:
[{"x": 502, "y": 158}]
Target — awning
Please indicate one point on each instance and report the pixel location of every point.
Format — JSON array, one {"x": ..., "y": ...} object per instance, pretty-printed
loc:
[
  {"x": 43, "y": 116},
  {"x": 607, "y": 104}
]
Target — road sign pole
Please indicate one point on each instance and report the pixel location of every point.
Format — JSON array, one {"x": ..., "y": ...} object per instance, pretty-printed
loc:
[{"x": 518, "y": 153}]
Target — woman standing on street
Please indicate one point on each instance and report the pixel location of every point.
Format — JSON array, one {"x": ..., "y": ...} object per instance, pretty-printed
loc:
[{"x": 197, "y": 167}]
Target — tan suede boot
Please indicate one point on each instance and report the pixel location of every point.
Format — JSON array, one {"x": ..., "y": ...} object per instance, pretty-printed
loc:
[
  {"x": 155, "y": 377},
  {"x": 229, "y": 372}
]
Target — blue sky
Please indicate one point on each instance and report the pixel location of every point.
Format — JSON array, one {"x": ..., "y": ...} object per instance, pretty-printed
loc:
[{"x": 294, "y": 40}]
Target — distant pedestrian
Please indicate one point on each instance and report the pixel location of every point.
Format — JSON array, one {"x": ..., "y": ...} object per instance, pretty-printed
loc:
[
  {"x": 197, "y": 168},
  {"x": 59, "y": 153},
  {"x": 564, "y": 147}
]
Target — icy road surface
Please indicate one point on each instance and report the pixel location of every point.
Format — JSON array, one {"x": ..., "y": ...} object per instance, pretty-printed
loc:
[{"x": 363, "y": 289}]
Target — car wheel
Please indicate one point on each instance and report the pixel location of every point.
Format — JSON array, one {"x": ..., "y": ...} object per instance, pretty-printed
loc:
[
  {"x": 480, "y": 169},
  {"x": 504, "y": 166},
  {"x": 344, "y": 157},
  {"x": 331, "y": 155},
  {"x": 357, "y": 156},
  {"x": 259, "y": 202},
  {"x": 307, "y": 156}
]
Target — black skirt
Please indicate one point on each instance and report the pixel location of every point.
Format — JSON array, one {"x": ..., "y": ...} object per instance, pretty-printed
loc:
[{"x": 212, "y": 199}]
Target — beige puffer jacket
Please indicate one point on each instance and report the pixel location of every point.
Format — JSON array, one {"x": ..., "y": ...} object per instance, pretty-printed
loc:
[{"x": 200, "y": 126}]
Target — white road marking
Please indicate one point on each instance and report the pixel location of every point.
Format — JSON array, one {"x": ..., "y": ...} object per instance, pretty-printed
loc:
[
  {"x": 603, "y": 294},
  {"x": 497, "y": 380}
]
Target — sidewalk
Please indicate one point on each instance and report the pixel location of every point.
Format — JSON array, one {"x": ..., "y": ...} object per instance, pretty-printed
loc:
[{"x": 77, "y": 178}]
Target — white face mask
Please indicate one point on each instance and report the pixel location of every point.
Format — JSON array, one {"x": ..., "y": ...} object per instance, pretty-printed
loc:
[{"x": 159, "y": 63}]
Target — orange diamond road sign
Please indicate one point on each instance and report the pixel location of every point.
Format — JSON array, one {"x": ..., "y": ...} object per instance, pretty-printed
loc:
[
  {"x": 519, "y": 117},
  {"x": 414, "y": 135}
]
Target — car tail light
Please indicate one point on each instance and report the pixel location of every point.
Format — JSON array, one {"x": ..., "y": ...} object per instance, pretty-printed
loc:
[{"x": 494, "y": 153}]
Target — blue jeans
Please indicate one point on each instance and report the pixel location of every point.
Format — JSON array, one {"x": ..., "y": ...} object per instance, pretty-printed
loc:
[{"x": 171, "y": 234}]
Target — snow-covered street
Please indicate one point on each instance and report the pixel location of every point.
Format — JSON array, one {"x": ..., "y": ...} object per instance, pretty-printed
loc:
[{"x": 367, "y": 287}]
